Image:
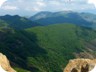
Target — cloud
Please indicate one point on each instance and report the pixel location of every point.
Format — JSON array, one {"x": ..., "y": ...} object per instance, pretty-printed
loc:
[
  {"x": 40, "y": 3},
  {"x": 36, "y": 9},
  {"x": 1, "y": 2},
  {"x": 55, "y": 2},
  {"x": 33, "y": 9},
  {"x": 7, "y": 7},
  {"x": 92, "y": 2}
]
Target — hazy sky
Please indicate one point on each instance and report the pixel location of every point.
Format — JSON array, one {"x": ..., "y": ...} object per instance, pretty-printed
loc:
[{"x": 30, "y": 7}]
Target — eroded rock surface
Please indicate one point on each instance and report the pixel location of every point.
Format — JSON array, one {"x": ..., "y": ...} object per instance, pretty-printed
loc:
[
  {"x": 80, "y": 65},
  {"x": 4, "y": 63}
]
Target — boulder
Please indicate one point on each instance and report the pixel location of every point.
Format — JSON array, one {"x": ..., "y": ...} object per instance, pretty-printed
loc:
[
  {"x": 80, "y": 65},
  {"x": 4, "y": 64}
]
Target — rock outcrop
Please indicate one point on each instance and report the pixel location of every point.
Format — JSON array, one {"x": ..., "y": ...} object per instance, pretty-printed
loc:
[
  {"x": 80, "y": 65},
  {"x": 4, "y": 63}
]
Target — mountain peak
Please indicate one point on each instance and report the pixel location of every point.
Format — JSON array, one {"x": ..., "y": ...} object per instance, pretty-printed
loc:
[
  {"x": 64, "y": 12},
  {"x": 46, "y": 14},
  {"x": 16, "y": 16},
  {"x": 9, "y": 16},
  {"x": 42, "y": 14}
]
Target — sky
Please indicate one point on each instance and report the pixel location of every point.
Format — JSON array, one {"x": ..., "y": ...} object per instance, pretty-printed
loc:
[
  {"x": 94, "y": 69},
  {"x": 30, "y": 7}
]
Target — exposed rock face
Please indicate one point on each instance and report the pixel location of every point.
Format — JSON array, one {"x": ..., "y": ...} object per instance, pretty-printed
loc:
[
  {"x": 4, "y": 63},
  {"x": 80, "y": 65}
]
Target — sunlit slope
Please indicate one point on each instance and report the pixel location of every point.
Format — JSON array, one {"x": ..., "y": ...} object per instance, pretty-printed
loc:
[{"x": 61, "y": 42}]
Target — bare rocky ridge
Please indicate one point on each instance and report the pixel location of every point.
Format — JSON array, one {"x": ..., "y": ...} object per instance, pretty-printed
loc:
[
  {"x": 80, "y": 65},
  {"x": 4, "y": 62}
]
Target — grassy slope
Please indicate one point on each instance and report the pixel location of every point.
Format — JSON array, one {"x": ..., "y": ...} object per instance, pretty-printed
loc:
[{"x": 60, "y": 42}]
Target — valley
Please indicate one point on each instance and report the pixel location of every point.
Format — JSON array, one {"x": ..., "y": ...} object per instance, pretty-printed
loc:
[{"x": 32, "y": 46}]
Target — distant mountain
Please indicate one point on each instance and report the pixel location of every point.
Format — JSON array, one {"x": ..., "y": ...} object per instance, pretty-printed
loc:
[
  {"x": 81, "y": 19},
  {"x": 90, "y": 18},
  {"x": 41, "y": 15},
  {"x": 45, "y": 14},
  {"x": 18, "y": 22}
]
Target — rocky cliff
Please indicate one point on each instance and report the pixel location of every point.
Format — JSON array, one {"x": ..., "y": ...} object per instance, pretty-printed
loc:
[
  {"x": 80, "y": 65},
  {"x": 4, "y": 63}
]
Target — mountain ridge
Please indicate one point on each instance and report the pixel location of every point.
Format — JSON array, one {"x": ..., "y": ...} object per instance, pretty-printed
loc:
[
  {"x": 80, "y": 19},
  {"x": 18, "y": 22}
]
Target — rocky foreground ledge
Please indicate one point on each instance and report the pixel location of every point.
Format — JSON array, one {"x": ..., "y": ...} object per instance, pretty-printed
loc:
[
  {"x": 4, "y": 63},
  {"x": 80, "y": 65}
]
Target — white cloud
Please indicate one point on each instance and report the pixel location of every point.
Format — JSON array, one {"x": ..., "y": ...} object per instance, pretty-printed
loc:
[
  {"x": 1, "y": 2},
  {"x": 35, "y": 6},
  {"x": 7, "y": 7},
  {"x": 55, "y": 2},
  {"x": 92, "y": 2},
  {"x": 40, "y": 3},
  {"x": 35, "y": 9}
]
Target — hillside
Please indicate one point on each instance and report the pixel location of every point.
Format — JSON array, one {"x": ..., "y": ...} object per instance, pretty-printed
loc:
[
  {"x": 17, "y": 48},
  {"x": 17, "y": 22},
  {"x": 63, "y": 42},
  {"x": 81, "y": 19},
  {"x": 46, "y": 49}
]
